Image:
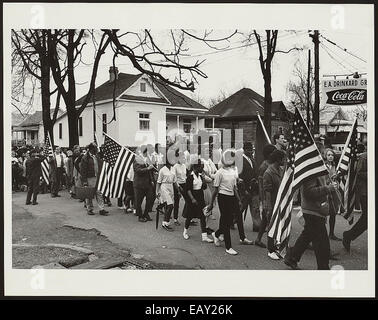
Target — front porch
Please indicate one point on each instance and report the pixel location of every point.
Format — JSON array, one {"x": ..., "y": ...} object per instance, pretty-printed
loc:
[{"x": 187, "y": 123}]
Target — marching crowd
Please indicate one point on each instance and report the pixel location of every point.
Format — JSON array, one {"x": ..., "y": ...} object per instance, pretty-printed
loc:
[{"x": 205, "y": 178}]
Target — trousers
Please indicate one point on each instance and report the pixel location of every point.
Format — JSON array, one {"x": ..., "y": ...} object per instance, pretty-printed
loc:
[
  {"x": 314, "y": 231},
  {"x": 99, "y": 197},
  {"x": 228, "y": 207},
  {"x": 33, "y": 189},
  {"x": 141, "y": 193},
  {"x": 361, "y": 225}
]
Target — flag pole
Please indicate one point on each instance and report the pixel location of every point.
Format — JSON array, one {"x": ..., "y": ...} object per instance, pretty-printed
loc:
[
  {"x": 346, "y": 144},
  {"x": 263, "y": 127}
]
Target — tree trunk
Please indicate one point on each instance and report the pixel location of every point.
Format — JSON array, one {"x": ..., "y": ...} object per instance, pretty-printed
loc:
[
  {"x": 268, "y": 100},
  {"x": 73, "y": 130},
  {"x": 45, "y": 96}
]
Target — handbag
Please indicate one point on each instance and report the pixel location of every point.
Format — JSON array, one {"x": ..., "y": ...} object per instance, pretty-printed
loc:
[{"x": 85, "y": 192}]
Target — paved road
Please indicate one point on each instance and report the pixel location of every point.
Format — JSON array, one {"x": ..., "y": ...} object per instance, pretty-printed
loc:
[{"x": 164, "y": 247}]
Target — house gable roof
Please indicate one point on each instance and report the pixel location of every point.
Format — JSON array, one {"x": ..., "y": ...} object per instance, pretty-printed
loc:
[
  {"x": 105, "y": 91},
  {"x": 245, "y": 103},
  {"x": 17, "y": 118},
  {"x": 35, "y": 119},
  {"x": 333, "y": 114},
  {"x": 124, "y": 81}
]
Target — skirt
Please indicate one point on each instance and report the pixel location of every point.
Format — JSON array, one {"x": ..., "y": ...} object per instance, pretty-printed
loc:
[
  {"x": 167, "y": 193},
  {"x": 192, "y": 211}
]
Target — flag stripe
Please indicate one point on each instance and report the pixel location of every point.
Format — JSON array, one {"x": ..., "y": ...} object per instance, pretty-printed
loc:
[
  {"x": 117, "y": 163},
  {"x": 304, "y": 163}
]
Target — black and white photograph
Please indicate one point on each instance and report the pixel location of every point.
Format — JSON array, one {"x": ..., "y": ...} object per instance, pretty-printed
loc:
[{"x": 215, "y": 141}]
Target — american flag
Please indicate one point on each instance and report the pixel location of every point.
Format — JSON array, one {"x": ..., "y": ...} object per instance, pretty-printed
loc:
[
  {"x": 117, "y": 162},
  {"x": 346, "y": 169},
  {"x": 47, "y": 151},
  {"x": 304, "y": 162}
]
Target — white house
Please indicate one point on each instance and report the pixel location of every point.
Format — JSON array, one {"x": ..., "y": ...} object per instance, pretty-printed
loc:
[
  {"x": 30, "y": 131},
  {"x": 145, "y": 112}
]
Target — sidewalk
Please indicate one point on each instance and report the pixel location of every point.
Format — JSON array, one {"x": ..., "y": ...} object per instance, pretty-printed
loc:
[{"x": 121, "y": 232}]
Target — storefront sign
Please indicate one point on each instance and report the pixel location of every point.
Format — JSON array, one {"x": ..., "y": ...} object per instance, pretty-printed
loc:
[{"x": 345, "y": 92}]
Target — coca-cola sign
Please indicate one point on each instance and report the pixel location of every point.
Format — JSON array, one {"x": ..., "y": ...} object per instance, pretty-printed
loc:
[
  {"x": 344, "y": 92},
  {"x": 346, "y": 96}
]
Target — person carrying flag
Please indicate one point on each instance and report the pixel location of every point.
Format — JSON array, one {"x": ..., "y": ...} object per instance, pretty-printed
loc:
[
  {"x": 91, "y": 166},
  {"x": 361, "y": 224},
  {"x": 315, "y": 195}
]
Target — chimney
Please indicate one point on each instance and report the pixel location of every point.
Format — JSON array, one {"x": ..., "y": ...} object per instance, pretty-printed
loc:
[{"x": 113, "y": 74}]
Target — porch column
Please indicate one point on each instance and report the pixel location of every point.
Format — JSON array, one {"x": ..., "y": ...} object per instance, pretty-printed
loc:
[
  {"x": 178, "y": 123},
  {"x": 197, "y": 124},
  {"x": 213, "y": 123}
]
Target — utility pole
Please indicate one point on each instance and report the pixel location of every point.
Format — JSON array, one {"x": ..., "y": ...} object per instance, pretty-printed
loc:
[
  {"x": 315, "y": 40},
  {"x": 308, "y": 89}
]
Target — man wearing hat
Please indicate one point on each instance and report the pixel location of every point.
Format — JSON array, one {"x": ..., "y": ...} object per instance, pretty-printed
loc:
[{"x": 33, "y": 176}]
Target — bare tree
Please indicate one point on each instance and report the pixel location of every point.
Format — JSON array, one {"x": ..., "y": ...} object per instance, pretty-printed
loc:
[
  {"x": 65, "y": 53},
  {"x": 30, "y": 61},
  {"x": 222, "y": 95},
  {"x": 159, "y": 60},
  {"x": 267, "y": 48},
  {"x": 360, "y": 111}
]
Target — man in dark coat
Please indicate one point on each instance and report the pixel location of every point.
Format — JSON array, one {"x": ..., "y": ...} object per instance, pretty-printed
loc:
[
  {"x": 33, "y": 176},
  {"x": 143, "y": 184},
  {"x": 249, "y": 176},
  {"x": 361, "y": 187},
  {"x": 314, "y": 197},
  {"x": 90, "y": 169}
]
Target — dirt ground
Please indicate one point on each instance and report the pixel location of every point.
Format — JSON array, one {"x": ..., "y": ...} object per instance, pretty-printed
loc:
[{"x": 64, "y": 221}]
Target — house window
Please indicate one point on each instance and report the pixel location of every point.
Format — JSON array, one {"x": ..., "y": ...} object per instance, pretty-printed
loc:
[
  {"x": 144, "y": 121},
  {"x": 280, "y": 130},
  {"x": 143, "y": 86},
  {"x": 60, "y": 131},
  {"x": 104, "y": 123},
  {"x": 80, "y": 126},
  {"x": 187, "y": 125},
  {"x": 32, "y": 135}
]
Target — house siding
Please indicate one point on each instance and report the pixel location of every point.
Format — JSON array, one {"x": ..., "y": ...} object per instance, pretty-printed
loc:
[{"x": 249, "y": 127}]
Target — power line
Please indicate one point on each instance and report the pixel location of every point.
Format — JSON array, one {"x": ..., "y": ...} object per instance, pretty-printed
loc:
[
  {"x": 333, "y": 58},
  {"x": 344, "y": 49},
  {"x": 342, "y": 59}
]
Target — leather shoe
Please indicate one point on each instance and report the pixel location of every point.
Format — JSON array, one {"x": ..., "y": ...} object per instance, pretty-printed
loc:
[
  {"x": 28, "y": 203},
  {"x": 260, "y": 244},
  {"x": 148, "y": 218},
  {"x": 291, "y": 263},
  {"x": 103, "y": 213},
  {"x": 141, "y": 219},
  {"x": 90, "y": 212},
  {"x": 333, "y": 237},
  {"x": 34, "y": 203},
  {"x": 346, "y": 243}
]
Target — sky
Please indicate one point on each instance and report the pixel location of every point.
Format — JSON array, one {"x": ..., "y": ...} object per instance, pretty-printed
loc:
[{"x": 234, "y": 68}]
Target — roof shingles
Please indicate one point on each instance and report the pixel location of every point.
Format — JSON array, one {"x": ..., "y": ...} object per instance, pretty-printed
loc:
[
  {"x": 124, "y": 81},
  {"x": 245, "y": 103}
]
